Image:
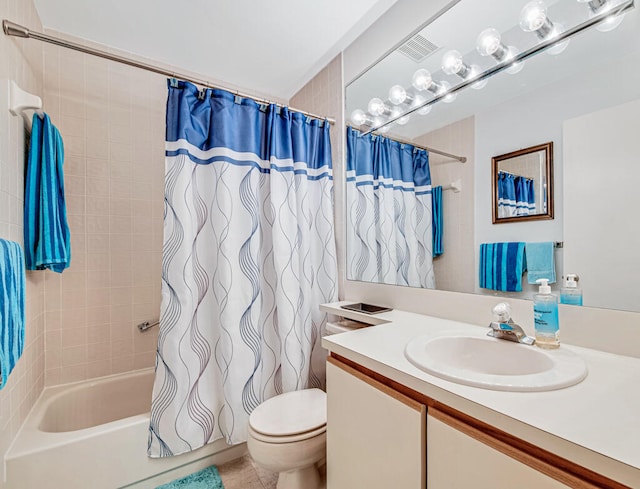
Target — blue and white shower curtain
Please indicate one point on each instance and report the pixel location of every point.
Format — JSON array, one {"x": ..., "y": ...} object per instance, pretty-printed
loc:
[
  {"x": 249, "y": 254},
  {"x": 516, "y": 195},
  {"x": 389, "y": 212}
]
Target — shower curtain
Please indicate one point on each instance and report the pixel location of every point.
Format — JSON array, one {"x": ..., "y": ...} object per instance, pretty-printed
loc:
[
  {"x": 389, "y": 212},
  {"x": 249, "y": 254},
  {"x": 516, "y": 195}
]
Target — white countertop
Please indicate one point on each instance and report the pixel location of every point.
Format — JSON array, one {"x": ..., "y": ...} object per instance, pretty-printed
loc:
[{"x": 595, "y": 423}]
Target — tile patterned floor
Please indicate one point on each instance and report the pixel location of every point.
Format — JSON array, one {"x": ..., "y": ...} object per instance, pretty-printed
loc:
[{"x": 243, "y": 473}]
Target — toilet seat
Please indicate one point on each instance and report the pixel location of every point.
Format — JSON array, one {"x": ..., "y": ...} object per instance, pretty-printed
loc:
[
  {"x": 289, "y": 417},
  {"x": 287, "y": 438}
]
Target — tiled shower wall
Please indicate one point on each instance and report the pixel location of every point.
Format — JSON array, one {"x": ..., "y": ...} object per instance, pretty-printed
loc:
[
  {"x": 454, "y": 269},
  {"x": 323, "y": 96},
  {"x": 111, "y": 117},
  {"x": 20, "y": 61}
]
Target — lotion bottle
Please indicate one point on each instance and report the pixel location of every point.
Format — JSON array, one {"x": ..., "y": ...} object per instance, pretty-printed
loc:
[
  {"x": 571, "y": 293},
  {"x": 545, "y": 314}
]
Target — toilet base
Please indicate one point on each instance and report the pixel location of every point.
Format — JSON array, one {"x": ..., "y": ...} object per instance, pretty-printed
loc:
[{"x": 306, "y": 477}]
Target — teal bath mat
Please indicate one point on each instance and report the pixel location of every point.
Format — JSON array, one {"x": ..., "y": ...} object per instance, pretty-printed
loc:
[{"x": 205, "y": 479}]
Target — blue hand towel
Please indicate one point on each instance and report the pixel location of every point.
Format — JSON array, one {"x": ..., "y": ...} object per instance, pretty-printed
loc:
[
  {"x": 502, "y": 266},
  {"x": 436, "y": 200},
  {"x": 540, "y": 262},
  {"x": 12, "y": 311},
  {"x": 46, "y": 233}
]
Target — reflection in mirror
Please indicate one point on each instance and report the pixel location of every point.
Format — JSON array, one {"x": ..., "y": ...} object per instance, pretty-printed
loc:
[
  {"x": 595, "y": 71},
  {"x": 522, "y": 184}
]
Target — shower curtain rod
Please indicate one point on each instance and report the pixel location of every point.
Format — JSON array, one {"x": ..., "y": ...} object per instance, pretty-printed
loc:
[
  {"x": 13, "y": 29},
  {"x": 461, "y": 159}
]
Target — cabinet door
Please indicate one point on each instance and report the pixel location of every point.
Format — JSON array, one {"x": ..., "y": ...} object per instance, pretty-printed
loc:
[
  {"x": 457, "y": 460},
  {"x": 375, "y": 435}
]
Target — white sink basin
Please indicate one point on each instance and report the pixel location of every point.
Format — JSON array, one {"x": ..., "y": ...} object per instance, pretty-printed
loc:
[{"x": 495, "y": 364}]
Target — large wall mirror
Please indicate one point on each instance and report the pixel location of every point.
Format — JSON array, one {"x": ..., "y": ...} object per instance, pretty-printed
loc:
[{"x": 583, "y": 95}]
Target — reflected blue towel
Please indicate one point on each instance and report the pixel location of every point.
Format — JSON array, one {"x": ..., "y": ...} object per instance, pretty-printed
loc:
[
  {"x": 540, "y": 262},
  {"x": 12, "y": 283},
  {"x": 436, "y": 200},
  {"x": 502, "y": 266},
  {"x": 46, "y": 233}
]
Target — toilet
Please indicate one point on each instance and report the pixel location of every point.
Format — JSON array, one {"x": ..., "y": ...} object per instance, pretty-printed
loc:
[{"x": 287, "y": 433}]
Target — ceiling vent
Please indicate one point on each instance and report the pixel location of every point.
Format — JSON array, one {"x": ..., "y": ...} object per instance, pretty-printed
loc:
[{"x": 418, "y": 48}]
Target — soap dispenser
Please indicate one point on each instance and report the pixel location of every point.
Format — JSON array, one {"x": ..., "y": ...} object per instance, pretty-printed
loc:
[
  {"x": 545, "y": 315},
  {"x": 571, "y": 293}
]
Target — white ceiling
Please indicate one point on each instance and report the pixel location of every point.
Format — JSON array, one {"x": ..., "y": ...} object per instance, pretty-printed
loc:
[{"x": 272, "y": 48}]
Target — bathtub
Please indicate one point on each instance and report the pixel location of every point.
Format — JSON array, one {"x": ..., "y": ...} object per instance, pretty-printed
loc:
[{"x": 76, "y": 436}]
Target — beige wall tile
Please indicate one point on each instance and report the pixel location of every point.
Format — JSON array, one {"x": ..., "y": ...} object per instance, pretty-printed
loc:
[{"x": 22, "y": 61}]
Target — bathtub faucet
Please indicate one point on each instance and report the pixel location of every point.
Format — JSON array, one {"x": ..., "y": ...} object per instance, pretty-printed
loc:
[{"x": 142, "y": 327}]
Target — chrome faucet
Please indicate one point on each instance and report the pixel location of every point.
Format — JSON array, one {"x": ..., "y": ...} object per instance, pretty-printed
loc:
[{"x": 504, "y": 328}]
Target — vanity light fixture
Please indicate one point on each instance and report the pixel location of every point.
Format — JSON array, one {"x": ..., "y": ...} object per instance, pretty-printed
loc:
[
  {"x": 600, "y": 6},
  {"x": 358, "y": 117},
  {"x": 553, "y": 39},
  {"x": 489, "y": 43},
  {"x": 398, "y": 95},
  {"x": 533, "y": 18},
  {"x": 377, "y": 107},
  {"x": 422, "y": 80},
  {"x": 444, "y": 87},
  {"x": 453, "y": 64},
  {"x": 419, "y": 100},
  {"x": 397, "y": 112}
]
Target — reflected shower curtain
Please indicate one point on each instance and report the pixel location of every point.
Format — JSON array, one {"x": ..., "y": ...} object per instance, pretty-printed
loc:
[
  {"x": 249, "y": 254},
  {"x": 389, "y": 212},
  {"x": 516, "y": 195}
]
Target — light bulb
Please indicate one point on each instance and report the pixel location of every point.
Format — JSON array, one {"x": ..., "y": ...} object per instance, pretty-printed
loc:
[
  {"x": 474, "y": 73},
  {"x": 397, "y": 94},
  {"x": 376, "y": 107},
  {"x": 444, "y": 87},
  {"x": 558, "y": 47},
  {"x": 358, "y": 117},
  {"x": 452, "y": 62},
  {"x": 397, "y": 111},
  {"x": 425, "y": 110},
  {"x": 489, "y": 42},
  {"x": 421, "y": 79},
  {"x": 533, "y": 16},
  {"x": 378, "y": 121},
  {"x": 598, "y": 7},
  {"x": 419, "y": 100},
  {"x": 610, "y": 23},
  {"x": 515, "y": 67}
]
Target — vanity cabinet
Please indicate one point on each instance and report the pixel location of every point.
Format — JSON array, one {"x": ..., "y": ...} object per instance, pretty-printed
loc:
[
  {"x": 381, "y": 434},
  {"x": 460, "y": 456},
  {"x": 375, "y": 435}
]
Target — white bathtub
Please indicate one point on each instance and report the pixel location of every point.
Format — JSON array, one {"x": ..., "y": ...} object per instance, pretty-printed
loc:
[{"x": 94, "y": 434}]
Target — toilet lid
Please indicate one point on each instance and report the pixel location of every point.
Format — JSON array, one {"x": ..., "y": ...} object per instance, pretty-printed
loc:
[{"x": 291, "y": 413}]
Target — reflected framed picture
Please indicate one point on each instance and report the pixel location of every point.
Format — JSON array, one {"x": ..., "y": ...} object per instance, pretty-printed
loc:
[{"x": 522, "y": 184}]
